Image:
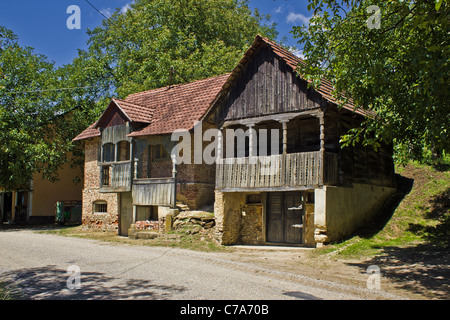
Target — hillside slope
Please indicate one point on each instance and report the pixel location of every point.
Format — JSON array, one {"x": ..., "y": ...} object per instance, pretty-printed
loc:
[{"x": 410, "y": 242}]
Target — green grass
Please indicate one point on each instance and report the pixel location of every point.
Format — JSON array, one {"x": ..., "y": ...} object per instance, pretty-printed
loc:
[
  {"x": 422, "y": 217},
  {"x": 200, "y": 241}
]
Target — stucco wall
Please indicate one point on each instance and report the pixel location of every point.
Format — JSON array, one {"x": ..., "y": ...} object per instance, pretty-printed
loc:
[
  {"x": 339, "y": 211},
  {"x": 46, "y": 193}
]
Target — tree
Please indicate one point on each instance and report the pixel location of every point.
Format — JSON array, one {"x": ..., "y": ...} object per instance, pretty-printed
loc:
[
  {"x": 394, "y": 61},
  {"x": 163, "y": 42},
  {"x": 155, "y": 43},
  {"x": 25, "y": 111}
]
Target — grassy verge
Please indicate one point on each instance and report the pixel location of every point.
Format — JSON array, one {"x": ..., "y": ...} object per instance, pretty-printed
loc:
[
  {"x": 201, "y": 241},
  {"x": 419, "y": 217}
]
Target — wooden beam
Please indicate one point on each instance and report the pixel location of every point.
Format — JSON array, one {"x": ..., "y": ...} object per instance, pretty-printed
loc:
[{"x": 275, "y": 117}]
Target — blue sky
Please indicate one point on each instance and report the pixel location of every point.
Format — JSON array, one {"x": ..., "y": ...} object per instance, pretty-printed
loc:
[{"x": 42, "y": 24}]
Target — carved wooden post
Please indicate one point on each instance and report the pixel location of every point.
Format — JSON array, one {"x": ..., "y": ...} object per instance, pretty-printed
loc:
[
  {"x": 136, "y": 167},
  {"x": 322, "y": 148},
  {"x": 174, "y": 177},
  {"x": 251, "y": 144},
  {"x": 283, "y": 158},
  {"x": 284, "y": 126},
  {"x": 101, "y": 164},
  {"x": 219, "y": 145}
]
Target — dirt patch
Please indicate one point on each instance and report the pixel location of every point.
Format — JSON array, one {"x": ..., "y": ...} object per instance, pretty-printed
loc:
[{"x": 303, "y": 262}]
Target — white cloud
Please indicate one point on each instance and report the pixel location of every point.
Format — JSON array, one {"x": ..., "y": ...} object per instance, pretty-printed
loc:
[
  {"x": 298, "y": 53},
  {"x": 279, "y": 9},
  {"x": 297, "y": 18},
  {"x": 125, "y": 8},
  {"x": 106, "y": 12}
]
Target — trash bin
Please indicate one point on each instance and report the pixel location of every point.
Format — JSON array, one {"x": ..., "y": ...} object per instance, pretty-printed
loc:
[
  {"x": 59, "y": 212},
  {"x": 68, "y": 212}
]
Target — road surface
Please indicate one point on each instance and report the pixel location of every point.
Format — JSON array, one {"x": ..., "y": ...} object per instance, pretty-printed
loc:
[{"x": 38, "y": 265}]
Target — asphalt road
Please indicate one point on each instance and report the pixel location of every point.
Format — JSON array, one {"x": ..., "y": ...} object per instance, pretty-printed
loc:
[{"x": 38, "y": 265}]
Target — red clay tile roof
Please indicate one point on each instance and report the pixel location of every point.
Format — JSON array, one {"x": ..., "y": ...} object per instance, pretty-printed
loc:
[
  {"x": 89, "y": 132},
  {"x": 177, "y": 107},
  {"x": 166, "y": 109},
  {"x": 135, "y": 112}
]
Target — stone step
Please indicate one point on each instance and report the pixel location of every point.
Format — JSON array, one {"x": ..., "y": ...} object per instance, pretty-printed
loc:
[{"x": 182, "y": 206}]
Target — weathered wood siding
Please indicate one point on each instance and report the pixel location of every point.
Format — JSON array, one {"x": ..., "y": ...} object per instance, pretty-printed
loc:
[
  {"x": 113, "y": 117},
  {"x": 267, "y": 86},
  {"x": 153, "y": 192},
  {"x": 115, "y": 134},
  {"x": 121, "y": 176},
  {"x": 293, "y": 170},
  {"x": 358, "y": 164}
]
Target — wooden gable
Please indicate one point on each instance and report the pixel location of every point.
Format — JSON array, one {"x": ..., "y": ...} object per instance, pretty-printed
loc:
[
  {"x": 266, "y": 86},
  {"x": 113, "y": 116}
]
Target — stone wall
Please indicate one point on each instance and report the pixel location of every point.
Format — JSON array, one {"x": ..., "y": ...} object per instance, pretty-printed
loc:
[
  {"x": 103, "y": 221},
  {"x": 236, "y": 221}
]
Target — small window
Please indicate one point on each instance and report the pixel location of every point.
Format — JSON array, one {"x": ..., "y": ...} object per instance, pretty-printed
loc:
[
  {"x": 160, "y": 153},
  {"x": 253, "y": 198},
  {"x": 100, "y": 207}
]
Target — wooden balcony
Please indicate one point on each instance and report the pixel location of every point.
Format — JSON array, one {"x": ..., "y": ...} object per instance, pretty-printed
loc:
[
  {"x": 115, "y": 177},
  {"x": 294, "y": 171},
  {"x": 154, "y": 192}
]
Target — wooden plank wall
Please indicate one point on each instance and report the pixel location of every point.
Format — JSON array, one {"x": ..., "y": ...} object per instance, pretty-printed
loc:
[
  {"x": 121, "y": 175},
  {"x": 115, "y": 134},
  {"x": 267, "y": 86},
  {"x": 156, "y": 192},
  {"x": 359, "y": 164}
]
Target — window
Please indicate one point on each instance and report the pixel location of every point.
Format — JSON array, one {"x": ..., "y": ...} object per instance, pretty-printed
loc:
[
  {"x": 123, "y": 149},
  {"x": 108, "y": 152},
  {"x": 100, "y": 207},
  {"x": 159, "y": 153}
]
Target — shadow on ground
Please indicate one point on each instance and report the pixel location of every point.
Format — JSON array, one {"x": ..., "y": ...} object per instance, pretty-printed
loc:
[
  {"x": 423, "y": 269},
  {"x": 51, "y": 283}
]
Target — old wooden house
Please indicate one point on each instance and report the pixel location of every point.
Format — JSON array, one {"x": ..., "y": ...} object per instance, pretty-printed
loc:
[
  {"x": 284, "y": 180},
  {"x": 308, "y": 190}
]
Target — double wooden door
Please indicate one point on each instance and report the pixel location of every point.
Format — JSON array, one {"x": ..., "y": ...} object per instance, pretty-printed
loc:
[{"x": 284, "y": 217}]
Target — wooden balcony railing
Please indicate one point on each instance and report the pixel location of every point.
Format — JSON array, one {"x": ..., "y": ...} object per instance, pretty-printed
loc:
[
  {"x": 116, "y": 177},
  {"x": 154, "y": 192},
  {"x": 285, "y": 171}
]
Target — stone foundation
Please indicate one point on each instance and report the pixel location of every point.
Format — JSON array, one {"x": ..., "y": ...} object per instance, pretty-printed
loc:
[
  {"x": 109, "y": 220},
  {"x": 238, "y": 222}
]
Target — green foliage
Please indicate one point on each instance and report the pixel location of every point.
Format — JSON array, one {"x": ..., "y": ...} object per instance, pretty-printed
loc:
[
  {"x": 155, "y": 43},
  {"x": 158, "y": 43},
  {"x": 399, "y": 70},
  {"x": 24, "y": 111}
]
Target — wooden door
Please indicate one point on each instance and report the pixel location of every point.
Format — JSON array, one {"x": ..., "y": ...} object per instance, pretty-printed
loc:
[
  {"x": 275, "y": 225},
  {"x": 284, "y": 217},
  {"x": 293, "y": 217}
]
